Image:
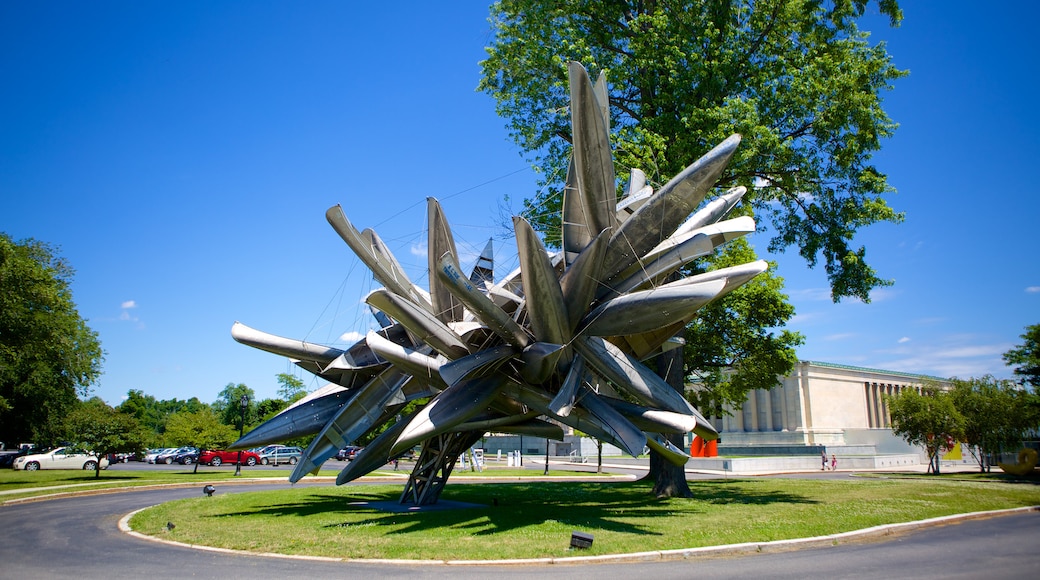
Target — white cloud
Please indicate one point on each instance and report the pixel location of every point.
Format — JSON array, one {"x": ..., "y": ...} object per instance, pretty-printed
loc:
[
  {"x": 1033, "y": 289},
  {"x": 351, "y": 337},
  {"x": 128, "y": 304},
  {"x": 953, "y": 356},
  {"x": 903, "y": 340},
  {"x": 840, "y": 336},
  {"x": 418, "y": 250}
]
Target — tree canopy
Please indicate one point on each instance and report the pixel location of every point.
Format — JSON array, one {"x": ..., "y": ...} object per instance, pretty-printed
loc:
[
  {"x": 928, "y": 418},
  {"x": 48, "y": 354},
  {"x": 1026, "y": 357},
  {"x": 997, "y": 415},
  {"x": 797, "y": 78}
]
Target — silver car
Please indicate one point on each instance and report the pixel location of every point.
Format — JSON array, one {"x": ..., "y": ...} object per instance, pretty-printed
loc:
[{"x": 290, "y": 455}]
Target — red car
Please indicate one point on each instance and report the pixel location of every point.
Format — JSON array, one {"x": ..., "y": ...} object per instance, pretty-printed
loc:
[{"x": 216, "y": 458}]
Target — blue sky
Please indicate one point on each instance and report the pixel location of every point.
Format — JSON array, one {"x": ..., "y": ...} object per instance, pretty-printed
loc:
[{"x": 182, "y": 158}]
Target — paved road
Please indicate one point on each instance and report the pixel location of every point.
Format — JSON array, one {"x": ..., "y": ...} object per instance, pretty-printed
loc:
[{"x": 78, "y": 538}]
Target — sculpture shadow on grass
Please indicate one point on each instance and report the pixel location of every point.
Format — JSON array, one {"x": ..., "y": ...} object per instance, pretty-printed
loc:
[{"x": 596, "y": 506}]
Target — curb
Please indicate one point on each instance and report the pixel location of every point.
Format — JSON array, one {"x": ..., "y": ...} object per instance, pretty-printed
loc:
[{"x": 746, "y": 548}]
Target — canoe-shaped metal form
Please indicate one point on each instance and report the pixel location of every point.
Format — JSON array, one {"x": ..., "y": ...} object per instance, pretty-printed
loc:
[
  {"x": 579, "y": 418},
  {"x": 627, "y": 206},
  {"x": 649, "y": 343},
  {"x": 668, "y": 451},
  {"x": 497, "y": 320},
  {"x": 394, "y": 280},
  {"x": 636, "y": 184},
  {"x": 375, "y": 454},
  {"x": 719, "y": 232},
  {"x": 440, "y": 242},
  {"x": 574, "y": 232},
  {"x": 593, "y": 166},
  {"x": 304, "y": 418},
  {"x": 653, "y": 420},
  {"x": 701, "y": 242},
  {"x": 286, "y": 347},
  {"x": 388, "y": 262},
  {"x": 352, "y": 421},
  {"x": 540, "y": 360},
  {"x": 545, "y": 305},
  {"x": 564, "y": 400},
  {"x": 421, "y": 366},
  {"x": 448, "y": 409},
  {"x": 581, "y": 280},
  {"x": 483, "y": 274},
  {"x": 632, "y": 439},
  {"x": 713, "y": 211},
  {"x": 531, "y": 427},
  {"x": 476, "y": 364},
  {"x": 420, "y": 323},
  {"x": 647, "y": 310},
  {"x": 667, "y": 209},
  {"x": 630, "y": 375}
]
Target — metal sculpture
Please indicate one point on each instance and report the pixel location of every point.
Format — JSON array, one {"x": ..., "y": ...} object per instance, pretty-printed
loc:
[{"x": 557, "y": 342}]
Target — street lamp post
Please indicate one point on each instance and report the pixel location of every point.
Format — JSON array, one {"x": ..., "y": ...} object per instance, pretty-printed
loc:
[{"x": 243, "y": 404}]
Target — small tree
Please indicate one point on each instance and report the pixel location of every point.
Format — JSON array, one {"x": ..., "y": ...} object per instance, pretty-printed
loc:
[
  {"x": 102, "y": 430},
  {"x": 996, "y": 416},
  {"x": 928, "y": 419},
  {"x": 201, "y": 429}
]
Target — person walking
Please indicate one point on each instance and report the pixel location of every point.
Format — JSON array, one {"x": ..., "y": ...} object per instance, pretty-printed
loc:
[
  {"x": 823, "y": 457},
  {"x": 834, "y": 462}
]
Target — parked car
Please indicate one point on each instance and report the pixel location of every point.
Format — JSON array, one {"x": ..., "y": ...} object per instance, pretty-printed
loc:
[
  {"x": 216, "y": 458},
  {"x": 348, "y": 453},
  {"x": 7, "y": 457},
  {"x": 60, "y": 458},
  {"x": 168, "y": 455},
  {"x": 187, "y": 457},
  {"x": 290, "y": 455},
  {"x": 119, "y": 457},
  {"x": 150, "y": 456}
]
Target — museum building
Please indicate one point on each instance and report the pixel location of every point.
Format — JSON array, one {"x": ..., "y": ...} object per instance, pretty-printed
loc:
[{"x": 820, "y": 405}]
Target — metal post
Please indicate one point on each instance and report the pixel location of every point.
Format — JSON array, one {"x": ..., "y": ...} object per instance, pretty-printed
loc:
[
  {"x": 243, "y": 403},
  {"x": 546, "y": 456}
]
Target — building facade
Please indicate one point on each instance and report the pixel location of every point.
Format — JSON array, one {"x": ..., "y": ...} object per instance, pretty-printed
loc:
[{"x": 822, "y": 405}]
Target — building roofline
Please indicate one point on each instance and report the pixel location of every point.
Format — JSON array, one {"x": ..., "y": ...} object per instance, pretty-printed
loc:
[{"x": 881, "y": 371}]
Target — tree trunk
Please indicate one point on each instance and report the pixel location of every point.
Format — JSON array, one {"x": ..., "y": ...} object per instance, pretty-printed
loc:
[{"x": 670, "y": 479}]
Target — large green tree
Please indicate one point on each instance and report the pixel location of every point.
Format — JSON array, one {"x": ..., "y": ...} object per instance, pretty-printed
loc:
[
  {"x": 95, "y": 426},
  {"x": 797, "y": 78},
  {"x": 997, "y": 415},
  {"x": 929, "y": 419},
  {"x": 48, "y": 354},
  {"x": 1026, "y": 357}
]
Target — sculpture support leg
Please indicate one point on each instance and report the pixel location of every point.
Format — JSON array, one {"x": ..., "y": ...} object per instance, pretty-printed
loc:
[{"x": 434, "y": 465}]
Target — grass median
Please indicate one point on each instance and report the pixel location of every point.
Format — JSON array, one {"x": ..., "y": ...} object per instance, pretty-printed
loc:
[{"x": 535, "y": 519}]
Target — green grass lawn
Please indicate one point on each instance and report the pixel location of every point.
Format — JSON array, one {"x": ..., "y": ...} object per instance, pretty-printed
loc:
[{"x": 534, "y": 519}]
